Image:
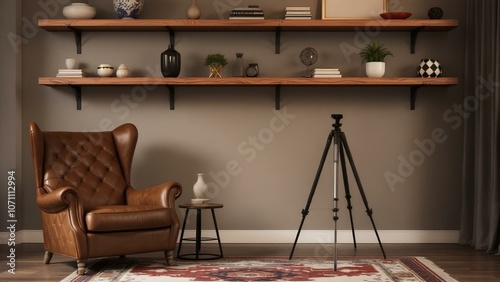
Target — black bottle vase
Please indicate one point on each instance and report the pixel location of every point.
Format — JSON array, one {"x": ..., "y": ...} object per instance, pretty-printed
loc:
[{"x": 170, "y": 62}]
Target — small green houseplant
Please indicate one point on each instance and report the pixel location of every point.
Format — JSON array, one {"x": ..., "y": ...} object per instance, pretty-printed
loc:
[
  {"x": 216, "y": 63},
  {"x": 374, "y": 52},
  {"x": 374, "y": 55}
]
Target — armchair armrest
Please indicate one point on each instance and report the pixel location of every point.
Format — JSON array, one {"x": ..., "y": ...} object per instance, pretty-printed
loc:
[
  {"x": 161, "y": 195},
  {"x": 56, "y": 200}
]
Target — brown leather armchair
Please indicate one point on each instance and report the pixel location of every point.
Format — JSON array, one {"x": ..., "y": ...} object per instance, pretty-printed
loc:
[{"x": 89, "y": 208}]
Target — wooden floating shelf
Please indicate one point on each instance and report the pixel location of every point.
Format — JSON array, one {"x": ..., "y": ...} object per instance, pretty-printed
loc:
[
  {"x": 244, "y": 25},
  {"x": 277, "y": 25},
  {"x": 246, "y": 81},
  {"x": 413, "y": 82}
]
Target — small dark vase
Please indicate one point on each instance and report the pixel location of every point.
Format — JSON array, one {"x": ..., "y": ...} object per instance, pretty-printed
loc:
[{"x": 170, "y": 62}]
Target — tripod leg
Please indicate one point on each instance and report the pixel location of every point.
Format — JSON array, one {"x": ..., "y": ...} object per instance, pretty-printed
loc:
[
  {"x": 305, "y": 211},
  {"x": 369, "y": 211},
  {"x": 336, "y": 150},
  {"x": 347, "y": 190}
]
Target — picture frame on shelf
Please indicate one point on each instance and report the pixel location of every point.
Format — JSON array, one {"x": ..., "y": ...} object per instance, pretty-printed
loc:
[{"x": 352, "y": 9}]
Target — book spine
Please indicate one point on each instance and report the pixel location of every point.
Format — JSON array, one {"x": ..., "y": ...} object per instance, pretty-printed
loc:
[{"x": 246, "y": 13}]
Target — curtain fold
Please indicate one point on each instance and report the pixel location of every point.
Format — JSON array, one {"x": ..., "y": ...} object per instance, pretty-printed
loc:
[{"x": 480, "y": 217}]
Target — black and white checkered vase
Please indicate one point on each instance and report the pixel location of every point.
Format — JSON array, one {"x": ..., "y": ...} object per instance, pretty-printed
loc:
[{"x": 429, "y": 68}]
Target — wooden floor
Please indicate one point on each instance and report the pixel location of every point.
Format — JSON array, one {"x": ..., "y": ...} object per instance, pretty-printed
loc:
[{"x": 461, "y": 262}]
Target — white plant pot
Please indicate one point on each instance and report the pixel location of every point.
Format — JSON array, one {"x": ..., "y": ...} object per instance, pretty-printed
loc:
[{"x": 375, "y": 69}]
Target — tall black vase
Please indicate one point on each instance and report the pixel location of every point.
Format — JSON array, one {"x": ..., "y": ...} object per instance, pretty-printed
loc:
[{"x": 170, "y": 62}]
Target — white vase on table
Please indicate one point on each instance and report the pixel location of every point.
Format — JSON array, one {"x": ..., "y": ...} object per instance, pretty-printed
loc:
[{"x": 200, "y": 187}]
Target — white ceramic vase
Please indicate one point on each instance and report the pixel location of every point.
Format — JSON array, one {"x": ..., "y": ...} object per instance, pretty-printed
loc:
[
  {"x": 193, "y": 12},
  {"x": 122, "y": 71},
  {"x": 200, "y": 187},
  {"x": 105, "y": 70},
  {"x": 375, "y": 69},
  {"x": 79, "y": 11}
]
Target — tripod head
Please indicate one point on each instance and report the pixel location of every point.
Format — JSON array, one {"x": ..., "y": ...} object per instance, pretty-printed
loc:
[{"x": 337, "y": 118}]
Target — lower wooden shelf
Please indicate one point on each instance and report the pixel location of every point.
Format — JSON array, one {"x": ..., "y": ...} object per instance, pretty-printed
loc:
[{"x": 171, "y": 82}]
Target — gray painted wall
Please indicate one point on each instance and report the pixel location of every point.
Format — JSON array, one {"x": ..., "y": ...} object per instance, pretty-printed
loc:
[
  {"x": 213, "y": 128},
  {"x": 10, "y": 110}
]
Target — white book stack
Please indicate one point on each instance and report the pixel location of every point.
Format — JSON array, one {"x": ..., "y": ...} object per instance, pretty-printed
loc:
[
  {"x": 70, "y": 73},
  {"x": 319, "y": 72},
  {"x": 298, "y": 13}
]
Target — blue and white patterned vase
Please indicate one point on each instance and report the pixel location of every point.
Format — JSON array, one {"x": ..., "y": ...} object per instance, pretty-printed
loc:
[{"x": 128, "y": 9}]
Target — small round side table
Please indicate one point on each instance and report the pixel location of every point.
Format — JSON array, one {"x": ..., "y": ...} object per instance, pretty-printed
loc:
[{"x": 198, "y": 239}]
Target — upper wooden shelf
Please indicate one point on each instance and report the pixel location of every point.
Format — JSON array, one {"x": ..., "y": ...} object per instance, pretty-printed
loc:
[
  {"x": 243, "y": 25},
  {"x": 413, "y": 82},
  {"x": 277, "y": 26}
]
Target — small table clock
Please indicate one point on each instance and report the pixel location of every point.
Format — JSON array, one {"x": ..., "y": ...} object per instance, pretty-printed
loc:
[{"x": 252, "y": 70}]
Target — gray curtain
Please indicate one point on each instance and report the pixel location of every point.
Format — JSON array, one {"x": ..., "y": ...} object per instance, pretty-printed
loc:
[{"x": 480, "y": 218}]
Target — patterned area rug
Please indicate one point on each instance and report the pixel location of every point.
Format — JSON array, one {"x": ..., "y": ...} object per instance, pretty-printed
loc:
[{"x": 264, "y": 269}]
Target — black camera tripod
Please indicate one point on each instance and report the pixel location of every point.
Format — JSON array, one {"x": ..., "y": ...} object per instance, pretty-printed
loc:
[{"x": 340, "y": 148}]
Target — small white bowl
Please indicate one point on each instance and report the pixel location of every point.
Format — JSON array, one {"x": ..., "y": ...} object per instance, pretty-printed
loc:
[
  {"x": 79, "y": 11},
  {"x": 105, "y": 70}
]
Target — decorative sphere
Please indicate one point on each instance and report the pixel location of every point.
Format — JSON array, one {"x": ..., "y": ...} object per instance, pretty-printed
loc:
[
  {"x": 429, "y": 68},
  {"x": 435, "y": 13}
]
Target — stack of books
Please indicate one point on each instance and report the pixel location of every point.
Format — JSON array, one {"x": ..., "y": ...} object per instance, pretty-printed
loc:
[
  {"x": 298, "y": 13},
  {"x": 318, "y": 72},
  {"x": 70, "y": 73},
  {"x": 252, "y": 12}
]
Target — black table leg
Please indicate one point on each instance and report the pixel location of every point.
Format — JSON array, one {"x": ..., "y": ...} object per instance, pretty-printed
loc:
[
  {"x": 198, "y": 232},
  {"x": 217, "y": 232},
  {"x": 182, "y": 233}
]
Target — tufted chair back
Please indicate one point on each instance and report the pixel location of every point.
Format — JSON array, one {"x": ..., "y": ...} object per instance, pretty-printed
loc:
[{"x": 86, "y": 161}]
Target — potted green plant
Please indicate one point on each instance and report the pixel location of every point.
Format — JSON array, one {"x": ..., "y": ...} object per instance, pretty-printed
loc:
[
  {"x": 374, "y": 55},
  {"x": 216, "y": 63}
]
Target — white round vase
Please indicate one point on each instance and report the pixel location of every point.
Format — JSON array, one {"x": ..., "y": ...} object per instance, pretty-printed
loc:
[
  {"x": 200, "y": 187},
  {"x": 375, "y": 69},
  {"x": 79, "y": 11}
]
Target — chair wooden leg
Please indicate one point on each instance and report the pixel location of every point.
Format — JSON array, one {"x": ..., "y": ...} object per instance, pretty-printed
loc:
[
  {"x": 81, "y": 266},
  {"x": 47, "y": 257},
  {"x": 169, "y": 257}
]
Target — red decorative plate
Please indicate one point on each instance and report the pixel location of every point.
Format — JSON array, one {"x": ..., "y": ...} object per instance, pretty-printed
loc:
[{"x": 395, "y": 15}]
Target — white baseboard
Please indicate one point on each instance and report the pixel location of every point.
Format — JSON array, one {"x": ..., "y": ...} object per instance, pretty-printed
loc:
[{"x": 288, "y": 236}]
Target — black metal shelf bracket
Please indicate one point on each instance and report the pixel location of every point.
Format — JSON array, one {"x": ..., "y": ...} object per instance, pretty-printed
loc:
[
  {"x": 171, "y": 94},
  {"x": 413, "y": 96},
  {"x": 78, "y": 39},
  {"x": 277, "y": 98},
  {"x": 277, "y": 43},
  {"x": 78, "y": 96},
  {"x": 413, "y": 39}
]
